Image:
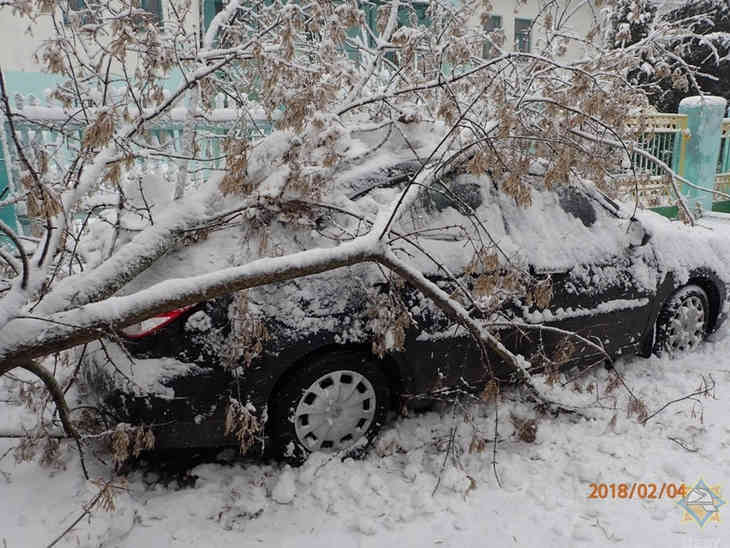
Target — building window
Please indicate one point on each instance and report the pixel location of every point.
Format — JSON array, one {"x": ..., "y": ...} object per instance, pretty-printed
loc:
[
  {"x": 522, "y": 34},
  {"x": 85, "y": 15},
  {"x": 408, "y": 15},
  {"x": 415, "y": 12},
  {"x": 245, "y": 16},
  {"x": 154, "y": 7},
  {"x": 492, "y": 24},
  {"x": 210, "y": 10}
]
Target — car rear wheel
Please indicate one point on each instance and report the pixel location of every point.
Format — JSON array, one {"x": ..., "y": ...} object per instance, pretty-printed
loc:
[
  {"x": 329, "y": 405},
  {"x": 683, "y": 322}
]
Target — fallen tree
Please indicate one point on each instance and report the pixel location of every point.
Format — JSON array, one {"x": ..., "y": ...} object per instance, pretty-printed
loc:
[{"x": 336, "y": 91}]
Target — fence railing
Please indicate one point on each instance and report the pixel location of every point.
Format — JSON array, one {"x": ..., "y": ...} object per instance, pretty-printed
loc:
[
  {"x": 666, "y": 136},
  {"x": 45, "y": 129}
]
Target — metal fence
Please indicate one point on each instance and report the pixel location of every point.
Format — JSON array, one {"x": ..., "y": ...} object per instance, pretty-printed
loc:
[
  {"x": 46, "y": 134},
  {"x": 665, "y": 137}
]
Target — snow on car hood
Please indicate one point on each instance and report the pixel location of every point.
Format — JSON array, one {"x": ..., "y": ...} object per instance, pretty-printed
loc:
[{"x": 681, "y": 248}]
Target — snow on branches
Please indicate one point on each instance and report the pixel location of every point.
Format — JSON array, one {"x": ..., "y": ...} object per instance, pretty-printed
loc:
[{"x": 147, "y": 167}]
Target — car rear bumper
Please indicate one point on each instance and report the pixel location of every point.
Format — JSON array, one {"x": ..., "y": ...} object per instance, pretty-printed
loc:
[{"x": 182, "y": 411}]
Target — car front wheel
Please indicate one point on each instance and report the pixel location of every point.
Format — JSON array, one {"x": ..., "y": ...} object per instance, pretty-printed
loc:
[
  {"x": 328, "y": 405},
  {"x": 683, "y": 322}
]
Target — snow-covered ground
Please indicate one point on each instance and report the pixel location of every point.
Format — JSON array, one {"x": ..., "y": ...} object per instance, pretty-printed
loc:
[{"x": 388, "y": 498}]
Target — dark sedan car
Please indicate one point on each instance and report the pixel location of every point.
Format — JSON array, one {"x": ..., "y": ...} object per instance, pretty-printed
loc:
[{"x": 629, "y": 284}]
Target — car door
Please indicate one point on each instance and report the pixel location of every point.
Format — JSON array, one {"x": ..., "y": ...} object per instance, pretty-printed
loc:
[
  {"x": 603, "y": 278},
  {"x": 438, "y": 349}
]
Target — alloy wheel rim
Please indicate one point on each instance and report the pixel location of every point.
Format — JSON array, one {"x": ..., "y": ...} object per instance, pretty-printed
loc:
[
  {"x": 335, "y": 411},
  {"x": 686, "y": 327}
]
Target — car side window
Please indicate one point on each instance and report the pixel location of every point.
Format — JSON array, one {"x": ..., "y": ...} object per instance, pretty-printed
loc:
[
  {"x": 561, "y": 228},
  {"x": 577, "y": 204}
]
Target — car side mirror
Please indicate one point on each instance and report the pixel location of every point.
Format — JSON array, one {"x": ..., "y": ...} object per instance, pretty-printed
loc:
[{"x": 638, "y": 235}]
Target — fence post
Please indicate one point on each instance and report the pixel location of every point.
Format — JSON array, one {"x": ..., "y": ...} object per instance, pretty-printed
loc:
[
  {"x": 704, "y": 120},
  {"x": 724, "y": 165}
]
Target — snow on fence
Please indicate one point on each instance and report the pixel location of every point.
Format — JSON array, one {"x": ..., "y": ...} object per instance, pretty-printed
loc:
[{"x": 49, "y": 130}]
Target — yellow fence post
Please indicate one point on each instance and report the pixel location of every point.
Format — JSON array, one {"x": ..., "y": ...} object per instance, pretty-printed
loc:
[{"x": 683, "y": 146}]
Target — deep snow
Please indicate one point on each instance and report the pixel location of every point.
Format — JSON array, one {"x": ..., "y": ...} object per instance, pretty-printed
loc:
[{"x": 388, "y": 497}]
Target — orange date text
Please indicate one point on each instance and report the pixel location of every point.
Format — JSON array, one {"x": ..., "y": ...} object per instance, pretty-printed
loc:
[{"x": 636, "y": 490}]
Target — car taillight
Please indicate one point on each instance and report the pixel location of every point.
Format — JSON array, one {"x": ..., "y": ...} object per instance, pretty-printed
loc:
[{"x": 150, "y": 325}]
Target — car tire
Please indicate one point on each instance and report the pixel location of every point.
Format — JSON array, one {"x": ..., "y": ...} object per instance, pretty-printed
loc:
[
  {"x": 328, "y": 405},
  {"x": 683, "y": 322}
]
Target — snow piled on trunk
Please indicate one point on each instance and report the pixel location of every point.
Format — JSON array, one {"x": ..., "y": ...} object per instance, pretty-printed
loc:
[
  {"x": 388, "y": 497},
  {"x": 138, "y": 376}
]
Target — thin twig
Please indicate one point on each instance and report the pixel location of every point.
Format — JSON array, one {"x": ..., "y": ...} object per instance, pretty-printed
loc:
[
  {"x": 496, "y": 439},
  {"x": 56, "y": 393},
  {"x": 10, "y": 233},
  {"x": 449, "y": 447},
  {"x": 87, "y": 510},
  {"x": 704, "y": 391},
  {"x": 683, "y": 444},
  {"x": 413, "y": 178},
  {"x": 673, "y": 177},
  {"x": 19, "y": 434}
]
